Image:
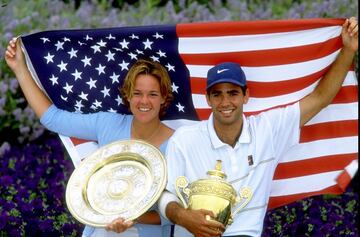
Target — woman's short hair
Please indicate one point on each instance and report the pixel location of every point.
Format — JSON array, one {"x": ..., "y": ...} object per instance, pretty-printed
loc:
[{"x": 147, "y": 67}]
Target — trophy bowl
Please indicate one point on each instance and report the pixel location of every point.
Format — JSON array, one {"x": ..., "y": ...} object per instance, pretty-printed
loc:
[
  {"x": 213, "y": 194},
  {"x": 122, "y": 179}
]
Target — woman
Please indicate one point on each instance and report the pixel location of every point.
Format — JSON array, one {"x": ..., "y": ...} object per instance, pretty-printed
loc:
[{"x": 147, "y": 93}]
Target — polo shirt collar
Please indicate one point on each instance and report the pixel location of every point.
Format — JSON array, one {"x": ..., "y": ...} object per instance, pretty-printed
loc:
[{"x": 245, "y": 136}]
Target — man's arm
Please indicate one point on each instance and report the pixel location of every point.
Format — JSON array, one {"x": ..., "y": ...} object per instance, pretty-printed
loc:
[
  {"x": 195, "y": 221},
  {"x": 331, "y": 83}
]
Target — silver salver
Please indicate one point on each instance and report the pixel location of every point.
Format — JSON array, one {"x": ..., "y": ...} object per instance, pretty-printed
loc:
[{"x": 122, "y": 179}]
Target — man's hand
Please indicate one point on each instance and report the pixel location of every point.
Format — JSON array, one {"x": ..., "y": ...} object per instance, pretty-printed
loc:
[
  {"x": 196, "y": 222},
  {"x": 199, "y": 224},
  {"x": 349, "y": 34}
]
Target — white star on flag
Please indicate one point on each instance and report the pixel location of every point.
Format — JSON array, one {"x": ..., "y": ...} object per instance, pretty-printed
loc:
[
  {"x": 91, "y": 83},
  {"x": 174, "y": 88},
  {"x": 100, "y": 69},
  {"x": 86, "y": 61},
  {"x": 54, "y": 79},
  {"x": 124, "y": 44},
  {"x": 76, "y": 74},
  {"x": 180, "y": 107},
  {"x": 83, "y": 96},
  {"x": 110, "y": 56},
  {"x": 96, "y": 48},
  {"x": 114, "y": 77},
  {"x": 62, "y": 66},
  {"x": 170, "y": 67},
  {"x": 59, "y": 45},
  {"x": 73, "y": 53},
  {"x": 124, "y": 65},
  {"x": 147, "y": 44},
  {"x": 105, "y": 91},
  {"x": 68, "y": 88},
  {"x": 49, "y": 58}
]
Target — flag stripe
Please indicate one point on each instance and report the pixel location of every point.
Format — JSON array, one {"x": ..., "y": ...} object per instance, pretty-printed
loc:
[
  {"x": 320, "y": 148},
  {"x": 304, "y": 183},
  {"x": 336, "y": 112},
  {"x": 329, "y": 130},
  {"x": 267, "y": 89},
  {"x": 250, "y": 42},
  {"x": 267, "y": 57},
  {"x": 252, "y": 27},
  {"x": 313, "y": 166},
  {"x": 256, "y": 105},
  {"x": 274, "y": 73},
  {"x": 286, "y": 199}
]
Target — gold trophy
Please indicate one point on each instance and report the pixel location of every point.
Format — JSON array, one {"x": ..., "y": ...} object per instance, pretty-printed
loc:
[{"x": 214, "y": 194}]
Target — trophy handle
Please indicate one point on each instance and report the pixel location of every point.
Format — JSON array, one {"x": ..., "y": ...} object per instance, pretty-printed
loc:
[
  {"x": 182, "y": 182},
  {"x": 245, "y": 196}
]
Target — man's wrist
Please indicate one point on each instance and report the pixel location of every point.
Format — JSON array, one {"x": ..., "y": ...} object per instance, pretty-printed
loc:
[{"x": 175, "y": 212}]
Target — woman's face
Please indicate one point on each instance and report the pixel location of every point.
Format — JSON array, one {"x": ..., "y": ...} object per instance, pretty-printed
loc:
[{"x": 146, "y": 100}]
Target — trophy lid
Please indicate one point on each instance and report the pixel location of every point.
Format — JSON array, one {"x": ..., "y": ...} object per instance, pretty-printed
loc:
[{"x": 217, "y": 173}]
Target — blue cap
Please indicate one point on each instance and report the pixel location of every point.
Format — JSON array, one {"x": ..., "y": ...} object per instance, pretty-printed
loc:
[{"x": 226, "y": 72}]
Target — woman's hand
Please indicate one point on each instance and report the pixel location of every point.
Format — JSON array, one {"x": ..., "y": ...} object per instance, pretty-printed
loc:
[
  {"x": 119, "y": 225},
  {"x": 14, "y": 56}
]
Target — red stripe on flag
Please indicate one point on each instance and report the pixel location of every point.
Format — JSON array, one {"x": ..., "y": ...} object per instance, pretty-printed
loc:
[
  {"x": 203, "y": 114},
  {"x": 267, "y": 57},
  {"x": 313, "y": 166},
  {"x": 329, "y": 130},
  {"x": 77, "y": 141},
  {"x": 251, "y": 27},
  {"x": 347, "y": 94},
  {"x": 283, "y": 200},
  {"x": 343, "y": 180}
]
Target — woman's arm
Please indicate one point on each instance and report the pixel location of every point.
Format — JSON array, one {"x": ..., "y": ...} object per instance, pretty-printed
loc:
[{"x": 14, "y": 57}]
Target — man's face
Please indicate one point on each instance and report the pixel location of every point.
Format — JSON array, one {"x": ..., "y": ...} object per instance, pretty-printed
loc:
[{"x": 226, "y": 101}]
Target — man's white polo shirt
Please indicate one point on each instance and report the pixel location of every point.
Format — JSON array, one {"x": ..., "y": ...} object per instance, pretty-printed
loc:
[{"x": 193, "y": 150}]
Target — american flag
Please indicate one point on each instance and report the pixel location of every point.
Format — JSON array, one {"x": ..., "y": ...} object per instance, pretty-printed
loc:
[{"x": 81, "y": 71}]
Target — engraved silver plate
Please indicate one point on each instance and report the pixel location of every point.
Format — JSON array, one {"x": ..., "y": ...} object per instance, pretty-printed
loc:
[{"x": 122, "y": 179}]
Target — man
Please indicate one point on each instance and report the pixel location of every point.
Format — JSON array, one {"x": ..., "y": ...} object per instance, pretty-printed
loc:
[{"x": 249, "y": 147}]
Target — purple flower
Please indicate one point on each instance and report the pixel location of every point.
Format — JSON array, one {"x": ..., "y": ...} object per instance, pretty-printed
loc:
[
  {"x": 46, "y": 225},
  {"x": 6, "y": 180}
]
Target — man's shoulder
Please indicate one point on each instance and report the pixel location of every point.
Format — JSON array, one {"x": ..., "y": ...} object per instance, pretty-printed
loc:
[{"x": 191, "y": 128}]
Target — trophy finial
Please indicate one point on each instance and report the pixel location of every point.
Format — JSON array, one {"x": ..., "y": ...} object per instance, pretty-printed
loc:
[
  {"x": 217, "y": 173},
  {"x": 218, "y": 165}
]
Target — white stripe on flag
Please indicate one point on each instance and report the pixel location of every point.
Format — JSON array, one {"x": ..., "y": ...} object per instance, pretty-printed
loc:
[
  {"x": 352, "y": 168},
  {"x": 319, "y": 148},
  {"x": 303, "y": 184},
  {"x": 336, "y": 112},
  {"x": 221, "y": 44}
]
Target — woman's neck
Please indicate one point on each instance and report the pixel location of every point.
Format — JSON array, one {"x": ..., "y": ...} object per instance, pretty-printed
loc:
[{"x": 145, "y": 131}]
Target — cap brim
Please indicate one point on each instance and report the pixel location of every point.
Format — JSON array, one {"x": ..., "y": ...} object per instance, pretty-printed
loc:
[{"x": 224, "y": 80}]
